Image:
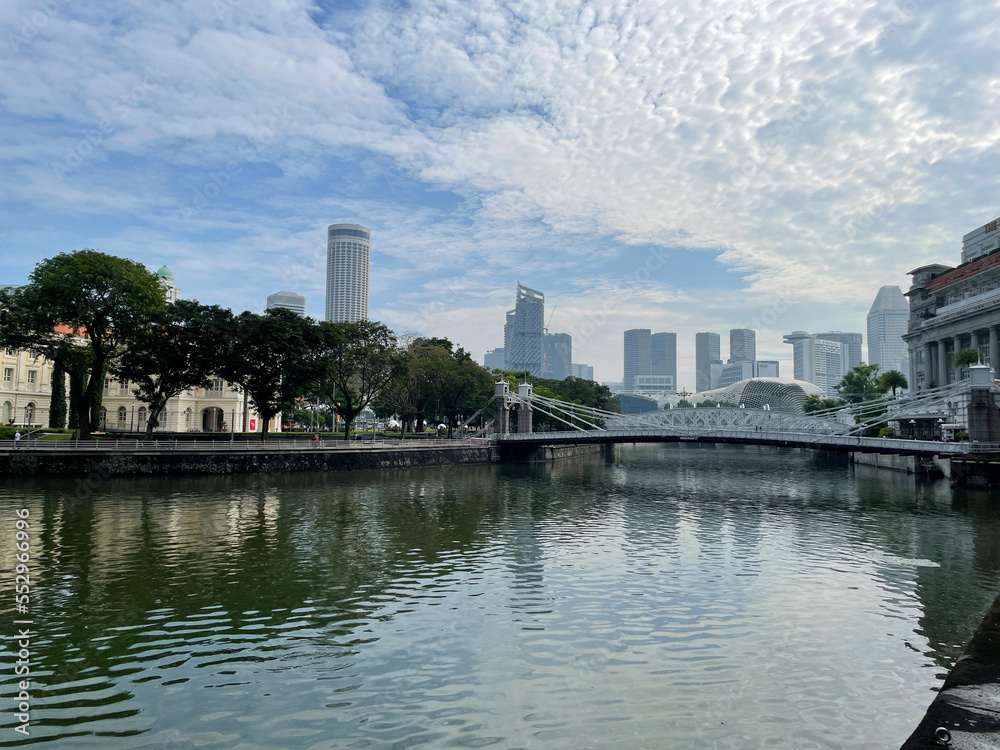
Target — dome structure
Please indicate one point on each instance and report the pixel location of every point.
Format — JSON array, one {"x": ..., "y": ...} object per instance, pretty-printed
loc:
[
  {"x": 777, "y": 394},
  {"x": 164, "y": 273}
]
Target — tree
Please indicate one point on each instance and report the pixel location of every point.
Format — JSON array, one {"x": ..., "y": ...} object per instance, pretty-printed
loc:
[
  {"x": 965, "y": 357},
  {"x": 465, "y": 388},
  {"x": 355, "y": 361},
  {"x": 57, "y": 404},
  {"x": 178, "y": 350},
  {"x": 80, "y": 309},
  {"x": 860, "y": 384},
  {"x": 891, "y": 380},
  {"x": 819, "y": 403},
  {"x": 684, "y": 404},
  {"x": 270, "y": 357}
]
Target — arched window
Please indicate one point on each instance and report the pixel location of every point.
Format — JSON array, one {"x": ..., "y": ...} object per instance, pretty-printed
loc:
[
  {"x": 122, "y": 416},
  {"x": 141, "y": 417},
  {"x": 7, "y": 412}
]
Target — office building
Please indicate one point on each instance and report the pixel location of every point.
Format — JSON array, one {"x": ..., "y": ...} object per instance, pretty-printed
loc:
[
  {"x": 820, "y": 361},
  {"x": 723, "y": 376},
  {"x": 852, "y": 341},
  {"x": 637, "y": 356},
  {"x": 706, "y": 354},
  {"x": 558, "y": 355},
  {"x": 494, "y": 359},
  {"x": 524, "y": 331},
  {"x": 348, "y": 256},
  {"x": 663, "y": 356},
  {"x": 887, "y": 322},
  {"x": 586, "y": 372},
  {"x": 953, "y": 309},
  {"x": 289, "y": 301},
  {"x": 742, "y": 345}
]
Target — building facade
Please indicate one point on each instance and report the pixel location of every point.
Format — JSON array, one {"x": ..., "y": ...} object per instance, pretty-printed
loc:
[
  {"x": 494, "y": 359},
  {"x": 852, "y": 342},
  {"x": 289, "y": 301},
  {"x": 952, "y": 309},
  {"x": 706, "y": 354},
  {"x": 888, "y": 320},
  {"x": 663, "y": 356},
  {"x": 25, "y": 388},
  {"x": 981, "y": 241},
  {"x": 558, "y": 355},
  {"x": 638, "y": 358},
  {"x": 523, "y": 333},
  {"x": 348, "y": 257},
  {"x": 723, "y": 376},
  {"x": 820, "y": 361},
  {"x": 648, "y": 355},
  {"x": 586, "y": 372},
  {"x": 742, "y": 345}
]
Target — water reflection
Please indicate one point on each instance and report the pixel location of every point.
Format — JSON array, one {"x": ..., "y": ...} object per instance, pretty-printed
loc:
[{"x": 722, "y": 597}]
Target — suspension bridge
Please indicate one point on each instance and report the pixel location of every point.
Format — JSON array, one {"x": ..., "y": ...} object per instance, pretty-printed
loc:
[{"x": 842, "y": 428}]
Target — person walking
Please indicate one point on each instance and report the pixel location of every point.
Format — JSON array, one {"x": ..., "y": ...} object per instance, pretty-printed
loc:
[{"x": 17, "y": 438}]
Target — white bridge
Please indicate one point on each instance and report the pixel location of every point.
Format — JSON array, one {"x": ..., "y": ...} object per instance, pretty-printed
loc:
[{"x": 840, "y": 428}]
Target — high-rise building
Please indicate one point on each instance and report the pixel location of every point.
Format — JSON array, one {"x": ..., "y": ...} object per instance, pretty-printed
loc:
[
  {"x": 706, "y": 354},
  {"x": 663, "y": 356},
  {"x": 742, "y": 345},
  {"x": 637, "y": 356},
  {"x": 723, "y": 376},
  {"x": 852, "y": 341},
  {"x": 582, "y": 371},
  {"x": 494, "y": 359},
  {"x": 523, "y": 333},
  {"x": 887, "y": 322},
  {"x": 558, "y": 355},
  {"x": 348, "y": 255},
  {"x": 820, "y": 361},
  {"x": 288, "y": 300}
]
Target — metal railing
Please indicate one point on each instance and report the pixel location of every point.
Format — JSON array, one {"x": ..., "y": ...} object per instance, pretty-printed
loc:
[{"x": 222, "y": 445}]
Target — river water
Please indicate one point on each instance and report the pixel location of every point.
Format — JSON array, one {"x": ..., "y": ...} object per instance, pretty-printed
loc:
[{"x": 671, "y": 597}]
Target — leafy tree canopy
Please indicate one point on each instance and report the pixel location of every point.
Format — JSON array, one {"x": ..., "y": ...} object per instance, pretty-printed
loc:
[{"x": 860, "y": 384}]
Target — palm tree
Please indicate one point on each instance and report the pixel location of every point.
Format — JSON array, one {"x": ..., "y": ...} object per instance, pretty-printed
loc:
[
  {"x": 891, "y": 380},
  {"x": 965, "y": 357}
]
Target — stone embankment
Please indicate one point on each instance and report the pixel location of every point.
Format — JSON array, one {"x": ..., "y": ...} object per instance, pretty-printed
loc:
[{"x": 965, "y": 715}]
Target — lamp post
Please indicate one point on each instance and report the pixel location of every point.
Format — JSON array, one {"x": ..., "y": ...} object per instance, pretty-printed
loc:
[
  {"x": 27, "y": 424},
  {"x": 913, "y": 429},
  {"x": 940, "y": 424}
]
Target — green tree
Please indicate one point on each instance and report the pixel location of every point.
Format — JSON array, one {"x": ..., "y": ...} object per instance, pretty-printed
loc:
[
  {"x": 84, "y": 300},
  {"x": 965, "y": 357},
  {"x": 464, "y": 388},
  {"x": 57, "y": 404},
  {"x": 892, "y": 380},
  {"x": 270, "y": 357},
  {"x": 684, "y": 404},
  {"x": 820, "y": 403},
  {"x": 178, "y": 350},
  {"x": 860, "y": 384},
  {"x": 355, "y": 361}
]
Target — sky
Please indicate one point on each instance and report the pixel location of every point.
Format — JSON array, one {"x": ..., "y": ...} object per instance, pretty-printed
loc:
[{"x": 678, "y": 165}]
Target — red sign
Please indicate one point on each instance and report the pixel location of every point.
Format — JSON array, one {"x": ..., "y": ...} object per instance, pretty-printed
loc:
[{"x": 253, "y": 425}]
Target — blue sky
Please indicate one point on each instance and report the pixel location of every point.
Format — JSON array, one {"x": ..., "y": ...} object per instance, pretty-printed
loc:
[{"x": 693, "y": 165}]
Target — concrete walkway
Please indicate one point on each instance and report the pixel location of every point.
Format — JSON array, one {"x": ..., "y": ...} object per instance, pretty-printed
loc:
[{"x": 966, "y": 713}]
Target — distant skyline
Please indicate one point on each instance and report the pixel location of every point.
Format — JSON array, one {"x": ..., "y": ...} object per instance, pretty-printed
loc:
[{"x": 694, "y": 166}]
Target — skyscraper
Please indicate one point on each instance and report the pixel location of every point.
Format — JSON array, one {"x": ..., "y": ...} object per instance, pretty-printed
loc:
[
  {"x": 637, "y": 356},
  {"x": 523, "y": 332},
  {"x": 706, "y": 354},
  {"x": 852, "y": 341},
  {"x": 558, "y": 355},
  {"x": 348, "y": 255},
  {"x": 582, "y": 371},
  {"x": 820, "y": 361},
  {"x": 742, "y": 345},
  {"x": 887, "y": 322},
  {"x": 288, "y": 300},
  {"x": 494, "y": 359}
]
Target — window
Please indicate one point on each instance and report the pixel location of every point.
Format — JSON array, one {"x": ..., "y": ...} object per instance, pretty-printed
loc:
[
  {"x": 32, "y": 379},
  {"x": 124, "y": 388},
  {"x": 107, "y": 386},
  {"x": 9, "y": 352},
  {"x": 8, "y": 374}
]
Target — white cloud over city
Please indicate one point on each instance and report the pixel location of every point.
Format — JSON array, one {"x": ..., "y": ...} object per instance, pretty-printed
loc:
[{"x": 789, "y": 157}]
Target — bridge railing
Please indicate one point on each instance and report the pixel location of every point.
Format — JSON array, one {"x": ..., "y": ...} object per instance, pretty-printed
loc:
[{"x": 124, "y": 445}]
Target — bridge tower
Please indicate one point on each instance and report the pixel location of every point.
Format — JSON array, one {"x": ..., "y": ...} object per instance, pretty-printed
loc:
[
  {"x": 524, "y": 409},
  {"x": 501, "y": 425}
]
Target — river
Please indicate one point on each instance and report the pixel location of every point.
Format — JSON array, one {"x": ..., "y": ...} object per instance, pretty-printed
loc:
[{"x": 672, "y": 596}]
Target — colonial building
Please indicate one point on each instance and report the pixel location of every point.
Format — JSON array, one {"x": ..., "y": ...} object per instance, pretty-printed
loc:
[
  {"x": 953, "y": 309},
  {"x": 25, "y": 388}
]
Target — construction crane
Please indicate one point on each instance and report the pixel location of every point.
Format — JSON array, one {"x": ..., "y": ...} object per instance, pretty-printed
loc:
[{"x": 550, "y": 318}]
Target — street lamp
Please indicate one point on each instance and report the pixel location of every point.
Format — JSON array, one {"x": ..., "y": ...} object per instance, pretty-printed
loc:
[{"x": 913, "y": 429}]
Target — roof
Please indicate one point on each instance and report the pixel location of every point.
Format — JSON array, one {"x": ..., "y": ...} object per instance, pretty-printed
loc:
[
  {"x": 164, "y": 273},
  {"x": 961, "y": 273}
]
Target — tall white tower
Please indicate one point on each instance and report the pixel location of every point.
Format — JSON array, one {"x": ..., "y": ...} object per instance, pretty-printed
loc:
[
  {"x": 887, "y": 322},
  {"x": 348, "y": 254}
]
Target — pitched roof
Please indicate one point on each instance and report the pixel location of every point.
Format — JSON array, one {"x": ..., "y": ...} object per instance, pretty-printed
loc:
[{"x": 961, "y": 273}]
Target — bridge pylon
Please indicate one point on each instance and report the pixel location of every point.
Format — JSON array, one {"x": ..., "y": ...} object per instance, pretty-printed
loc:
[
  {"x": 524, "y": 410},
  {"x": 501, "y": 424}
]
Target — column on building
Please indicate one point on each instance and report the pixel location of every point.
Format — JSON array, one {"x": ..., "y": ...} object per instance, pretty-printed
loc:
[
  {"x": 974, "y": 340},
  {"x": 994, "y": 347},
  {"x": 928, "y": 365},
  {"x": 942, "y": 362},
  {"x": 956, "y": 373}
]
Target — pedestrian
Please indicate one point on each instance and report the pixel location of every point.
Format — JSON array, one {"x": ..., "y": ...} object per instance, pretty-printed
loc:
[
  {"x": 316, "y": 440},
  {"x": 17, "y": 438}
]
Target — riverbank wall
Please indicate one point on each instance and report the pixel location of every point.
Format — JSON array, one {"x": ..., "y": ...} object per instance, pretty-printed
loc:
[
  {"x": 184, "y": 461},
  {"x": 966, "y": 712},
  {"x": 519, "y": 454}
]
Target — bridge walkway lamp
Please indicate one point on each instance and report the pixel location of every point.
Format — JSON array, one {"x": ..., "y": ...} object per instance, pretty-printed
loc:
[{"x": 913, "y": 429}]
